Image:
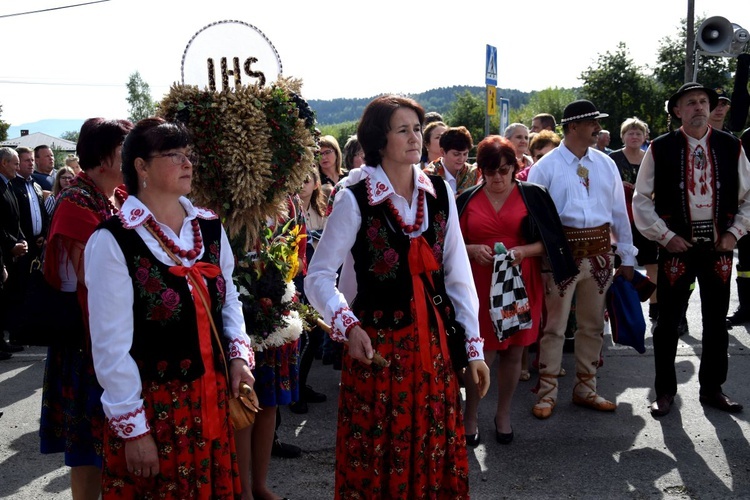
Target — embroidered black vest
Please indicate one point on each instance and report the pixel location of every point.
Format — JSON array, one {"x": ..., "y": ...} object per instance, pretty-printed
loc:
[
  {"x": 381, "y": 258},
  {"x": 165, "y": 336},
  {"x": 670, "y": 180}
]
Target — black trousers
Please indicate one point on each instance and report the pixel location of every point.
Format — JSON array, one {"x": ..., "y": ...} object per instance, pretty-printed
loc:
[{"x": 713, "y": 271}]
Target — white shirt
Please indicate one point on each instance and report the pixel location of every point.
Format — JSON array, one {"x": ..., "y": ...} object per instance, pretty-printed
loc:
[
  {"x": 603, "y": 202},
  {"x": 340, "y": 235},
  {"x": 110, "y": 300},
  {"x": 33, "y": 198},
  {"x": 700, "y": 203}
]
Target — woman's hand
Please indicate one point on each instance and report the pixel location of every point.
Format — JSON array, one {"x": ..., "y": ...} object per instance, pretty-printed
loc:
[
  {"x": 360, "y": 345},
  {"x": 240, "y": 372},
  {"x": 480, "y": 374},
  {"x": 482, "y": 254},
  {"x": 141, "y": 457}
]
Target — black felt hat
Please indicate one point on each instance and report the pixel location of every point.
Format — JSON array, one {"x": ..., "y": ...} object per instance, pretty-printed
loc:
[
  {"x": 722, "y": 94},
  {"x": 713, "y": 97},
  {"x": 581, "y": 110}
]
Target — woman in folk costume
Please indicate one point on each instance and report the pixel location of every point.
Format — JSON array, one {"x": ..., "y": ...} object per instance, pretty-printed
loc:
[
  {"x": 400, "y": 428},
  {"x": 163, "y": 311},
  {"x": 72, "y": 417}
]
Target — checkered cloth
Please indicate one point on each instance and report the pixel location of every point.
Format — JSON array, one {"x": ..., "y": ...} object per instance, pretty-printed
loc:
[{"x": 509, "y": 303}]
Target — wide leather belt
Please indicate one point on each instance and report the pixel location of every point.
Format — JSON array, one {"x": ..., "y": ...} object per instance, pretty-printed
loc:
[{"x": 589, "y": 241}]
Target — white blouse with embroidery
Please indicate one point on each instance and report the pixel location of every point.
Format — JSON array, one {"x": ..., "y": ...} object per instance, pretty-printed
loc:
[
  {"x": 110, "y": 300},
  {"x": 339, "y": 237}
]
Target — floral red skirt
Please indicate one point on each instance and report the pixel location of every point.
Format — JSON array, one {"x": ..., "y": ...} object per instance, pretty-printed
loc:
[
  {"x": 189, "y": 466},
  {"x": 400, "y": 429}
]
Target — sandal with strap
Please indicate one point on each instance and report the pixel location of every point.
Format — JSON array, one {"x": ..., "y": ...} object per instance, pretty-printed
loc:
[{"x": 591, "y": 399}]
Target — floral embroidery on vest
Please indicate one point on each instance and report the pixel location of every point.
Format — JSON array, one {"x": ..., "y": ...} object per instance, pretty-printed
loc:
[
  {"x": 162, "y": 303},
  {"x": 385, "y": 262}
]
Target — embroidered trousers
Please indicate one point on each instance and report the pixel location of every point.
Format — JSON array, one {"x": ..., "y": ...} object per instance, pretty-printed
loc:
[
  {"x": 590, "y": 287},
  {"x": 676, "y": 273}
]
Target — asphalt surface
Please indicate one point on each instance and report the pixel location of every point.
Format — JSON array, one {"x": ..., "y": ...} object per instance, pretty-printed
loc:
[{"x": 692, "y": 453}]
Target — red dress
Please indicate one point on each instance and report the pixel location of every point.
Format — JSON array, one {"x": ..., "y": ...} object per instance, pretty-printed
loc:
[{"x": 480, "y": 224}]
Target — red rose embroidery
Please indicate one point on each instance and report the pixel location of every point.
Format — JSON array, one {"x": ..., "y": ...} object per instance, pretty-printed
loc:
[
  {"x": 152, "y": 285},
  {"x": 381, "y": 267},
  {"x": 170, "y": 298},
  {"x": 141, "y": 275},
  {"x": 390, "y": 256},
  {"x": 145, "y": 263},
  {"x": 160, "y": 313},
  {"x": 398, "y": 315},
  {"x": 161, "y": 366}
]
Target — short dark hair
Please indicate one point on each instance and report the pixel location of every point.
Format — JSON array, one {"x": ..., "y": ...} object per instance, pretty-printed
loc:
[
  {"x": 491, "y": 152},
  {"x": 98, "y": 139},
  {"x": 23, "y": 149},
  {"x": 376, "y": 122},
  {"x": 150, "y": 136},
  {"x": 39, "y": 148},
  {"x": 457, "y": 138},
  {"x": 547, "y": 120}
]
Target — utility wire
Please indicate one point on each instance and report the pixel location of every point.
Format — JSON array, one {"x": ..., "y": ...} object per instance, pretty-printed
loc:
[{"x": 50, "y": 9}]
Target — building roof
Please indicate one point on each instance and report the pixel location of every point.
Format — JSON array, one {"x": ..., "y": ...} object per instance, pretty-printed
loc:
[{"x": 39, "y": 138}]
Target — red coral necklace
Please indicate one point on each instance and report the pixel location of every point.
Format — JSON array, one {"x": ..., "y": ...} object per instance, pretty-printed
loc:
[
  {"x": 420, "y": 214},
  {"x": 197, "y": 239}
]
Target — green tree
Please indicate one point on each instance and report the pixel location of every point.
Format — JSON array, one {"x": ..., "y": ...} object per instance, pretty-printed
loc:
[
  {"x": 468, "y": 110},
  {"x": 618, "y": 87},
  {"x": 550, "y": 100},
  {"x": 70, "y": 135},
  {"x": 139, "y": 97},
  {"x": 3, "y": 127}
]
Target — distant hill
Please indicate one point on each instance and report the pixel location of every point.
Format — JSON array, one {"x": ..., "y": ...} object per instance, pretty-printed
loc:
[
  {"x": 336, "y": 111},
  {"x": 51, "y": 127}
]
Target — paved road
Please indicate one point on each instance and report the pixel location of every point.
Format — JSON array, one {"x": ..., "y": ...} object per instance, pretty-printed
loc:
[{"x": 693, "y": 453}]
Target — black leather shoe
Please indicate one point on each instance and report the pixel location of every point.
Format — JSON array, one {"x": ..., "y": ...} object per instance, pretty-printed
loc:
[
  {"x": 310, "y": 396},
  {"x": 739, "y": 317},
  {"x": 284, "y": 450},
  {"x": 299, "y": 407},
  {"x": 662, "y": 405},
  {"x": 720, "y": 401},
  {"x": 473, "y": 440}
]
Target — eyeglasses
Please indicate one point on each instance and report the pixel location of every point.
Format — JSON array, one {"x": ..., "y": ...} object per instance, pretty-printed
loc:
[
  {"x": 502, "y": 170},
  {"x": 67, "y": 177},
  {"x": 178, "y": 158},
  {"x": 326, "y": 152}
]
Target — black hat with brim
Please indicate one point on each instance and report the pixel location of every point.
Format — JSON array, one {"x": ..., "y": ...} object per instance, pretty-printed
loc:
[
  {"x": 581, "y": 110},
  {"x": 713, "y": 97}
]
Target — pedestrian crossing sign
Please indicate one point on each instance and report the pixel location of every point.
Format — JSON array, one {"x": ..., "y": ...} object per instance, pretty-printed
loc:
[{"x": 491, "y": 66}]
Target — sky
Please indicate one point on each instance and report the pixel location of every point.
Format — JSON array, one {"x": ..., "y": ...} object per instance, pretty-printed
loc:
[{"x": 74, "y": 63}]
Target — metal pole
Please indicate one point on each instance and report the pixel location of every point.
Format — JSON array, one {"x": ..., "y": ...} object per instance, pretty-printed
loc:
[{"x": 691, "y": 59}]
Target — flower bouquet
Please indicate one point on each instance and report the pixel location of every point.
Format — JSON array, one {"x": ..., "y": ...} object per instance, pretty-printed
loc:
[{"x": 273, "y": 314}]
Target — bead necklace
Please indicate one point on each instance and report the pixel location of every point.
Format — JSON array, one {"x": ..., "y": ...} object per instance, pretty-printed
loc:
[
  {"x": 420, "y": 214},
  {"x": 197, "y": 239}
]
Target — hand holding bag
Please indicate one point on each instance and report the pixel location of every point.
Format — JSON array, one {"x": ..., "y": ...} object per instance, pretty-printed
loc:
[{"x": 510, "y": 311}]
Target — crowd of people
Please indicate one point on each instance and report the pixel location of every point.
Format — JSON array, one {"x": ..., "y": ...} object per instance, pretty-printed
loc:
[{"x": 404, "y": 236}]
